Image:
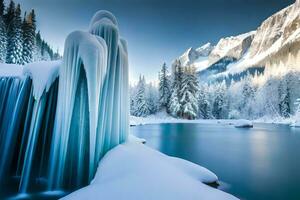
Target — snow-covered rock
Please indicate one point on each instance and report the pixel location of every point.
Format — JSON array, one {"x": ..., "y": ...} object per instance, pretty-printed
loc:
[
  {"x": 205, "y": 50},
  {"x": 147, "y": 174},
  {"x": 232, "y": 47},
  {"x": 242, "y": 123},
  {"x": 133, "y": 138},
  {"x": 197, "y": 57}
]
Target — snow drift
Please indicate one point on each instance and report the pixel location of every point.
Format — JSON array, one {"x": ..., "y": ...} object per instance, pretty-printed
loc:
[{"x": 147, "y": 174}]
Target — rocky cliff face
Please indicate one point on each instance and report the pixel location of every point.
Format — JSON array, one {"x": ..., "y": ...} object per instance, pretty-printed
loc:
[
  {"x": 275, "y": 44},
  {"x": 192, "y": 55},
  {"x": 232, "y": 47}
]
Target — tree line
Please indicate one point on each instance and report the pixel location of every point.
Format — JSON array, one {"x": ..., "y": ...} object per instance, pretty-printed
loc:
[
  {"x": 19, "y": 41},
  {"x": 182, "y": 95}
]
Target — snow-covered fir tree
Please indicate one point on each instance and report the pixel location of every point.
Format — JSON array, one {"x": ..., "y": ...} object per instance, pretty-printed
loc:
[
  {"x": 152, "y": 98},
  {"x": 28, "y": 28},
  {"x": 164, "y": 87},
  {"x": 174, "y": 107},
  {"x": 220, "y": 101},
  {"x": 19, "y": 42},
  {"x": 247, "y": 98},
  {"x": 132, "y": 91},
  {"x": 3, "y": 36},
  {"x": 204, "y": 104},
  {"x": 174, "y": 104},
  {"x": 14, "y": 34},
  {"x": 297, "y": 112},
  {"x": 142, "y": 108},
  {"x": 284, "y": 97},
  {"x": 189, "y": 91}
]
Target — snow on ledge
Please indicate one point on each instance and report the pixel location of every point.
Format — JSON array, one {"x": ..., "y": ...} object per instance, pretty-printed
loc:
[
  {"x": 11, "y": 70},
  {"x": 43, "y": 74},
  {"x": 134, "y": 171}
]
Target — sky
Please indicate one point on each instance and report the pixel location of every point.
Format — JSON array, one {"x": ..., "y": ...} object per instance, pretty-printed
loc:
[{"x": 157, "y": 31}]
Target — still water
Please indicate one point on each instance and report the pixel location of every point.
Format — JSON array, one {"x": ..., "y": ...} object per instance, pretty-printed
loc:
[{"x": 253, "y": 164}]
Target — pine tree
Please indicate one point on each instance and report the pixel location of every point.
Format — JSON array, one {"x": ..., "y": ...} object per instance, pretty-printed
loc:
[
  {"x": 3, "y": 36},
  {"x": 297, "y": 113},
  {"x": 284, "y": 98},
  {"x": 142, "y": 109},
  {"x": 174, "y": 107},
  {"x": 247, "y": 98},
  {"x": 28, "y": 28},
  {"x": 189, "y": 91},
  {"x": 152, "y": 99},
  {"x": 164, "y": 87},
  {"x": 10, "y": 13},
  {"x": 37, "y": 49},
  {"x": 204, "y": 104},
  {"x": 219, "y": 104},
  {"x": 14, "y": 44},
  {"x": 2, "y": 7}
]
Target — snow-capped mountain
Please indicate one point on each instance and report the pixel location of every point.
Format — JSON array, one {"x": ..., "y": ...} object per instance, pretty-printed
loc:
[
  {"x": 197, "y": 57},
  {"x": 275, "y": 43},
  {"x": 232, "y": 47}
]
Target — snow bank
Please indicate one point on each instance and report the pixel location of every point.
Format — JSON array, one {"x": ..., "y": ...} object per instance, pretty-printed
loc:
[
  {"x": 43, "y": 74},
  {"x": 134, "y": 171},
  {"x": 242, "y": 123},
  {"x": 133, "y": 138},
  {"x": 164, "y": 118},
  {"x": 10, "y": 70},
  {"x": 295, "y": 124}
]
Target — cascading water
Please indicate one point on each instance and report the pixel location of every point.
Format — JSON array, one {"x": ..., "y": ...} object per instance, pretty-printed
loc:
[{"x": 59, "y": 118}]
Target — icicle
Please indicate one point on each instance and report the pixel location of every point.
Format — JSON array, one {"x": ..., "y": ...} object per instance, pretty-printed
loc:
[{"x": 106, "y": 28}]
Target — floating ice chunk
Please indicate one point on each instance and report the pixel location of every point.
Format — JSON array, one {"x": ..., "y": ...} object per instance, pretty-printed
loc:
[
  {"x": 43, "y": 74},
  {"x": 11, "y": 70},
  {"x": 242, "y": 123},
  {"x": 146, "y": 174}
]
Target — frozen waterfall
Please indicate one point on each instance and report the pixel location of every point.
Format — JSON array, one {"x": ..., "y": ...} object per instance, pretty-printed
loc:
[{"x": 60, "y": 118}]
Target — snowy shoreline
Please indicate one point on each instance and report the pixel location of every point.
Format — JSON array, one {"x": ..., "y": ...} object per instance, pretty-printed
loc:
[
  {"x": 148, "y": 174},
  {"x": 164, "y": 118}
]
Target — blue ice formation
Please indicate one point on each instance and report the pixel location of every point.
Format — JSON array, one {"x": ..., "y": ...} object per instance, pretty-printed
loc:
[{"x": 59, "y": 121}]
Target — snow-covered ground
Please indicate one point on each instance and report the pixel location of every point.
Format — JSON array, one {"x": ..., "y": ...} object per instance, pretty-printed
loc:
[
  {"x": 164, "y": 118},
  {"x": 136, "y": 172},
  {"x": 276, "y": 120}
]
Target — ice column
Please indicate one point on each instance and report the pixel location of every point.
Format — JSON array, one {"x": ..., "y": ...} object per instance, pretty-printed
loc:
[{"x": 81, "y": 79}]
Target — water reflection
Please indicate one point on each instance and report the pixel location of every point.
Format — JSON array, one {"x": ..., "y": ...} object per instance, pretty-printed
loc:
[{"x": 259, "y": 163}]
